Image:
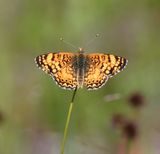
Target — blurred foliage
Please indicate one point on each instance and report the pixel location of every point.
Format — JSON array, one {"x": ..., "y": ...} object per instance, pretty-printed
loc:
[{"x": 34, "y": 108}]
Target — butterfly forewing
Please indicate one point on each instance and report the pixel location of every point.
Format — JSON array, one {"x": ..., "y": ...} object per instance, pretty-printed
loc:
[{"x": 60, "y": 67}]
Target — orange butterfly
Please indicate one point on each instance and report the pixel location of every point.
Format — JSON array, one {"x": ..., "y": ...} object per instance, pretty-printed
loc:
[{"x": 75, "y": 70}]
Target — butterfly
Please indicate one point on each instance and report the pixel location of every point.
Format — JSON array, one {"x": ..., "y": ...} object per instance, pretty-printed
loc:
[{"x": 73, "y": 70}]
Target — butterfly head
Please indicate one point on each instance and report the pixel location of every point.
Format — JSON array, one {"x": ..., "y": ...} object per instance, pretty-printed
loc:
[{"x": 81, "y": 50}]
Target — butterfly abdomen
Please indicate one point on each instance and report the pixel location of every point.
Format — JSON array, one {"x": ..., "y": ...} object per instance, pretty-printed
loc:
[{"x": 79, "y": 67}]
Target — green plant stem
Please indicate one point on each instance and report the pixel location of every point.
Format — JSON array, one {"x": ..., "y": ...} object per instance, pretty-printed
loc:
[
  {"x": 67, "y": 123},
  {"x": 66, "y": 128}
]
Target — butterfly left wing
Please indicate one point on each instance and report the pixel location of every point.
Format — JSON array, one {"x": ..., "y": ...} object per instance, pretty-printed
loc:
[
  {"x": 60, "y": 67},
  {"x": 100, "y": 68}
]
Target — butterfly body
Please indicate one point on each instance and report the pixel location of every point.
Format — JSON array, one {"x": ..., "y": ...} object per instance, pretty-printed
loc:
[
  {"x": 80, "y": 66},
  {"x": 75, "y": 70}
]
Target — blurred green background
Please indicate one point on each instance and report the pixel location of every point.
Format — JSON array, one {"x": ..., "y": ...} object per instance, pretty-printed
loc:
[{"x": 33, "y": 108}]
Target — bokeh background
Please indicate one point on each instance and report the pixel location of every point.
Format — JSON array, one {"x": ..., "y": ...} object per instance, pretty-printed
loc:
[{"x": 121, "y": 117}]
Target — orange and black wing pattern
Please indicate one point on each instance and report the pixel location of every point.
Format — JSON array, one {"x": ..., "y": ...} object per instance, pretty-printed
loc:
[
  {"x": 100, "y": 68},
  {"x": 60, "y": 67}
]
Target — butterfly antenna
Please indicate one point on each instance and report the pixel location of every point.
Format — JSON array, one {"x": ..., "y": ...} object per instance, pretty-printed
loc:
[
  {"x": 67, "y": 122},
  {"x": 68, "y": 43},
  {"x": 89, "y": 42}
]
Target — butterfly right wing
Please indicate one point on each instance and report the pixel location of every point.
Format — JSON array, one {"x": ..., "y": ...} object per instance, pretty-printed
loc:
[
  {"x": 60, "y": 67},
  {"x": 101, "y": 67}
]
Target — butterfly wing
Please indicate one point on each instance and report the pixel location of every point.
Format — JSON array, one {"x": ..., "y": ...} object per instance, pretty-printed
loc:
[
  {"x": 60, "y": 67},
  {"x": 100, "y": 68}
]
